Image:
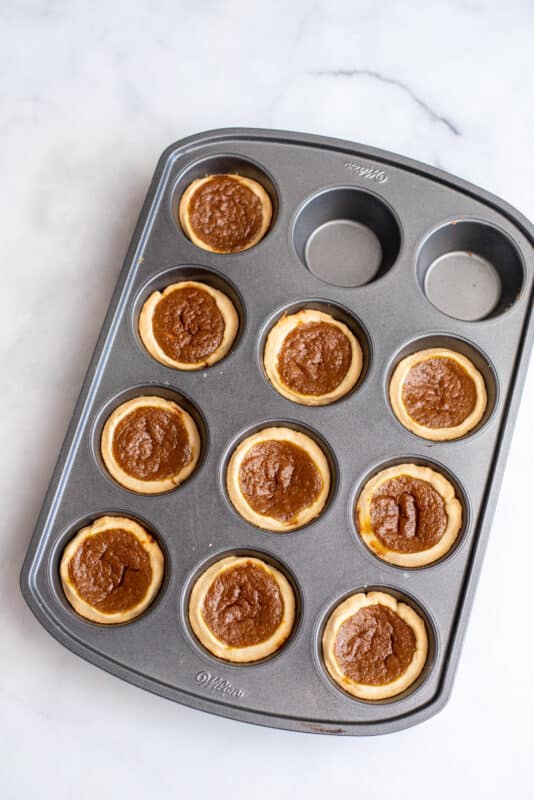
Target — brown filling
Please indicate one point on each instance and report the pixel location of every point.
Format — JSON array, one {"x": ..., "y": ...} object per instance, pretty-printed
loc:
[
  {"x": 243, "y": 606},
  {"x": 374, "y": 646},
  {"x": 279, "y": 479},
  {"x": 438, "y": 393},
  {"x": 408, "y": 514},
  {"x": 111, "y": 570},
  {"x": 225, "y": 214},
  {"x": 314, "y": 358},
  {"x": 151, "y": 443},
  {"x": 188, "y": 325}
]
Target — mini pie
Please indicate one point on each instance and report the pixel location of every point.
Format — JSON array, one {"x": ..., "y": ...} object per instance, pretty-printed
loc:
[
  {"x": 312, "y": 358},
  {"x": 409, "y": 515},
  {"x": 225, "y": 213},
  {"x": 373, "y": 646},
  {"x": 189, "y": 325},
  {"x": 438, "y": 394},
  {"x": 112, "y": 570},
  {"x": 242, "y": 609},
  {"x": 278, "y": 479},
  {"x": 150, "y": 445}
]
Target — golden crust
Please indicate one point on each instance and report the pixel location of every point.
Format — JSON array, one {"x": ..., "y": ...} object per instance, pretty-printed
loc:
[
  {"x": 453, "y": 511},
  {"x": 254, "y": 186},
  {"x": 221, "y": 649},
  {"x": 150, "y": 546},
  {"x": 284, "y": 435},
  {"x": 437, "y": 434},
  {"x": 225, "y": 306},
  {"x": 135, "y": 484},
  {"x": 274, "y": 344},
  {"x": 347, "y": 609}
]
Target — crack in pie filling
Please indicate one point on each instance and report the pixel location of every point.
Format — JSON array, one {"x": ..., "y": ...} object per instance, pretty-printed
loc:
[
  {"x": 112, "y": 570},
  {"x": 225, "y": 213},
  {"x": 150, "y": 445},
  {"x": 312, "y": 358},
  {"x": 374, "y": 647},
  {"x": 190, "y": 325},
  {"x": 438, "y": 394},
  {"x": 409, "y": 515},
  {"x": 278, "y": 479},
  {"x": 242, "y": 609}
]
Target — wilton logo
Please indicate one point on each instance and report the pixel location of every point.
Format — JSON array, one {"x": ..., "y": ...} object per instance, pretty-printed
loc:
[
  {"x": 371, "y": 173},
  {"x": 215, "y": 684}
]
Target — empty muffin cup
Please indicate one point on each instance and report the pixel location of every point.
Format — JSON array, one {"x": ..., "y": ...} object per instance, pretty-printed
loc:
[
  {"x": 470, "y": 270},
  {"x": 346, "y": 237}
]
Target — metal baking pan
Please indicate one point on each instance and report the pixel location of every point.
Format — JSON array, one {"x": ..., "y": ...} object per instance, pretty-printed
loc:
[{"x": 420, "y": 216}]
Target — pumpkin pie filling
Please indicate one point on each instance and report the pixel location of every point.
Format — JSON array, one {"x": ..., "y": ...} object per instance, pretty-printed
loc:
[
  {"x": 242, "y": 609},
  {"x": 243, "y": 605},
  {"x": 151, "y": 444},
  {"x": 374, "y": 646},
  {"x": 314, "y": 358},
  {"x": 225, "y": 213},
  {"x": 279, "y": 479},
  {"x": 188, "y": 325},
  {"x": 111, "y": 571},
  {"x": 408, "y": 514},
  {"x": 438, "y": 393}
]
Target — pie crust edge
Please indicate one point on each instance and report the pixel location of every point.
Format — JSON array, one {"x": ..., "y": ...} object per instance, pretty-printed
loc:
[
  {"x": 453, "y": 511},
  {"x": 225, "y": 306},
  {"x": 254, "y": 186},
  {"x": 149, "y": 544},
  {"x": 225, "y": 651},
  {"x": 275, "y": 341},
  {"x": 306, "y": 515},
  {"x": 135, "y": 484},
  {"x": 347, "y": 609},
  {"x": 437, "y": 434}
]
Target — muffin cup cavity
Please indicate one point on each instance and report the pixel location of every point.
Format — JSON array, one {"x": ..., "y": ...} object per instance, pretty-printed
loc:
[
  {"x": 459, "y": 492},
  {"x": 479, "y": 360},
  {"x": 346, "y": 237},
  {"x": 338, "y": 313},
  {"x": 225, "y": 164},
  {"x": 71, "y": 531},
  {"x": 147, "y": 390},
  {"x": 402, "y": 597},
  {"x": 292, "y": 425},
  {"x": 179, "y": 274},
  {"x": 470, "y": 270},
  {"x": 202, "y": 567}
]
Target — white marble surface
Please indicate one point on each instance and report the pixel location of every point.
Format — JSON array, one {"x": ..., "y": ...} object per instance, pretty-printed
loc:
[{"x": 91, "y": 93}]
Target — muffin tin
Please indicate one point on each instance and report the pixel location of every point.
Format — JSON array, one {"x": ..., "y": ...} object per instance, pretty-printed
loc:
[{"x": 380, "y": 242}]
